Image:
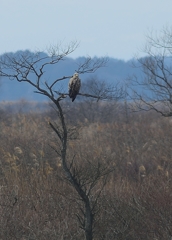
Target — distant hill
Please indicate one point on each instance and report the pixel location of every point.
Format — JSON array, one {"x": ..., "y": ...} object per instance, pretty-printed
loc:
[{"x": 116, "y": 70}]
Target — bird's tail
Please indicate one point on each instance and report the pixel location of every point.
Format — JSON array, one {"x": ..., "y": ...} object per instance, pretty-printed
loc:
[{"x": 73, "y": 99}]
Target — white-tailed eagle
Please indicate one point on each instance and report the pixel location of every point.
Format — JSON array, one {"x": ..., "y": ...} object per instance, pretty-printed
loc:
[{"x": 74, "y": 86}]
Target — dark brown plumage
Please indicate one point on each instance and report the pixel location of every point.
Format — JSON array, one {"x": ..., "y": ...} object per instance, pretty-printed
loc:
[{"x": 74, "y": 86}]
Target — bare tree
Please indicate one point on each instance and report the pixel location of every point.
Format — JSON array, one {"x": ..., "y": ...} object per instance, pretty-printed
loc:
[
  {"x": 153, "y": 89},
  {"x": 103, "y": 90},
  {"x": 30, "y": 68}
]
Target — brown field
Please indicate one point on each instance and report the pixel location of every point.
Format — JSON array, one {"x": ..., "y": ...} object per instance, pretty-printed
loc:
[{"x": 36, "y": 201}]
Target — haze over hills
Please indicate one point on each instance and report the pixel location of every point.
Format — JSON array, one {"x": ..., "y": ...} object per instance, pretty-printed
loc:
[{"x": 116, "y": 71}]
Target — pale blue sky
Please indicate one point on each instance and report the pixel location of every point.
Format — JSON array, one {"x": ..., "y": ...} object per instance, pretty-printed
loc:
[{"x": 112, "y": 28}]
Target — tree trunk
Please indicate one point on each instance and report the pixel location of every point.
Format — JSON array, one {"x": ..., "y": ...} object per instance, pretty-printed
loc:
[{"x": 88, "y": 221}]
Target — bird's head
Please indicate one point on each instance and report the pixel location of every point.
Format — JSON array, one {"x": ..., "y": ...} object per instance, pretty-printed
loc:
[{"x": 76, "y": 74}]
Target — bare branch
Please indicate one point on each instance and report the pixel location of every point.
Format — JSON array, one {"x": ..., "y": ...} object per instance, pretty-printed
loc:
[
  {"x": 91, "y": 65},
  {"x": 154, "y": 89}
]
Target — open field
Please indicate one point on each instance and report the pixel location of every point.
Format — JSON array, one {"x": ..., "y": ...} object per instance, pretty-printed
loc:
[{"x": 36, "y": 201}]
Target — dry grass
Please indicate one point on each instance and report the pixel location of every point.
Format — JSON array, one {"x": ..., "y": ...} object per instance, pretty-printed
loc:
[{"x": 37, "y": 203}]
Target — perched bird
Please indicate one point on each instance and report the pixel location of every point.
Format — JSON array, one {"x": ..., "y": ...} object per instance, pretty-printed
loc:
[{"x": 74, "y": 86}]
